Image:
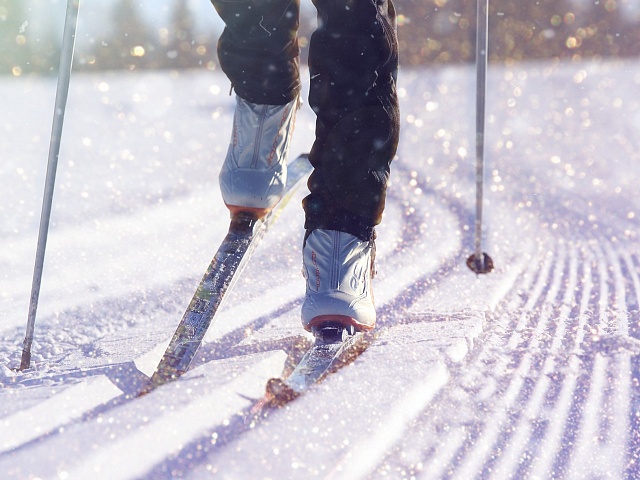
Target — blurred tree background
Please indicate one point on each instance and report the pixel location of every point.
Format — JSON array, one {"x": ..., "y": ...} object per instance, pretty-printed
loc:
[
  {"x": 443, "y": 31},
  {"x": 430, "y": 32}
]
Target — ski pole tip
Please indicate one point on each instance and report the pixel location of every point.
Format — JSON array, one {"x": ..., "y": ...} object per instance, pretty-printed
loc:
[
  {"x": 480, "y": 265},
  {"x": 25, "y": 361}
]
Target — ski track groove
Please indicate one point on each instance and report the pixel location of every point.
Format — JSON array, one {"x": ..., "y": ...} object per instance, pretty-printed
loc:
[
  {"x": 576, "y": 398},
  {"x": 630, "y": 270},
  {"x": 436, "y": 458},
  {"x": 632, "y": 267},
  {"x": 362, "y": 458},
  {"x": 552, "y": 443},
  {"x": 194, "y": 418},
  {"x": 61, "y": 409},
  {"x": 444, "y": 454},
  {"x": 153, "y": 421},
  {"x": 554, "y": 410},
  {"x": 517, "y": 455},
  {"x": 518, "y": 385},
  {"x": 620, "y": 381}
]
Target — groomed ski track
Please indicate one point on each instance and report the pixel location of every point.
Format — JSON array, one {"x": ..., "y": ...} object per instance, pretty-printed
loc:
[{"x": 531, "y": 372}]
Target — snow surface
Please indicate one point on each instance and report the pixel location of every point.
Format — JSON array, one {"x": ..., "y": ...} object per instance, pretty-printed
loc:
[{"x": 531, "y": 372}]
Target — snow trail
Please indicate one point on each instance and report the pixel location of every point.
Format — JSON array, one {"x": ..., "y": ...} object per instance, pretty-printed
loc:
[{"x": 530, "y": 372}]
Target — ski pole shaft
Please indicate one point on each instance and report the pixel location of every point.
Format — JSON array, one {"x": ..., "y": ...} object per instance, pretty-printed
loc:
[
  {"x": 480, "y": 262},
  {"x": 481, "y": 90},
  {"x": 64, "y": 76}
]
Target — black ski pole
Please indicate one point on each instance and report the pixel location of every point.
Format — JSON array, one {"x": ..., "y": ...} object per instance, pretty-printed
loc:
[
  {"x": 64, "y": 75},
  {"x": 479, "y": 261}
]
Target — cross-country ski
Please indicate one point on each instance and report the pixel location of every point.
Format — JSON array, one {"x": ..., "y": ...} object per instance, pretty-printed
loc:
[{"x": 233, "y": 254}]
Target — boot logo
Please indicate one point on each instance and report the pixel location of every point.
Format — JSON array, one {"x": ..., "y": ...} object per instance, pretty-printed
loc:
[
  {"x": 274, "y": 146},
  {"x": 317, "y": 269},
  {"x": 354, "y": 283}
]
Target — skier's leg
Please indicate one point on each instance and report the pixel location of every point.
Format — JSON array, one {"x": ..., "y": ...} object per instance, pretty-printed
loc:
[
  {"x": 258, "y": 51},
  {"x": 353, "y": 65},
  {"x": 353, "y": 62}
]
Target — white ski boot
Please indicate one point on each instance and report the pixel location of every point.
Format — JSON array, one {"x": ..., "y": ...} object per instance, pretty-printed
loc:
[
  {"x": 338, "y": 268},
  {"x": 254, "y": 173}
]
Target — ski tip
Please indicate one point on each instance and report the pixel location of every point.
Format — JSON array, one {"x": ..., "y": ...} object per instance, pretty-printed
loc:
[
  {"x": 279, "y": 393},
  {"x": 480, "y": 265}
]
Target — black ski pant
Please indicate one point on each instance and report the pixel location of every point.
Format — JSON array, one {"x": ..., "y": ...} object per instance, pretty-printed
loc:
[{"x": 353, "y": 62}]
